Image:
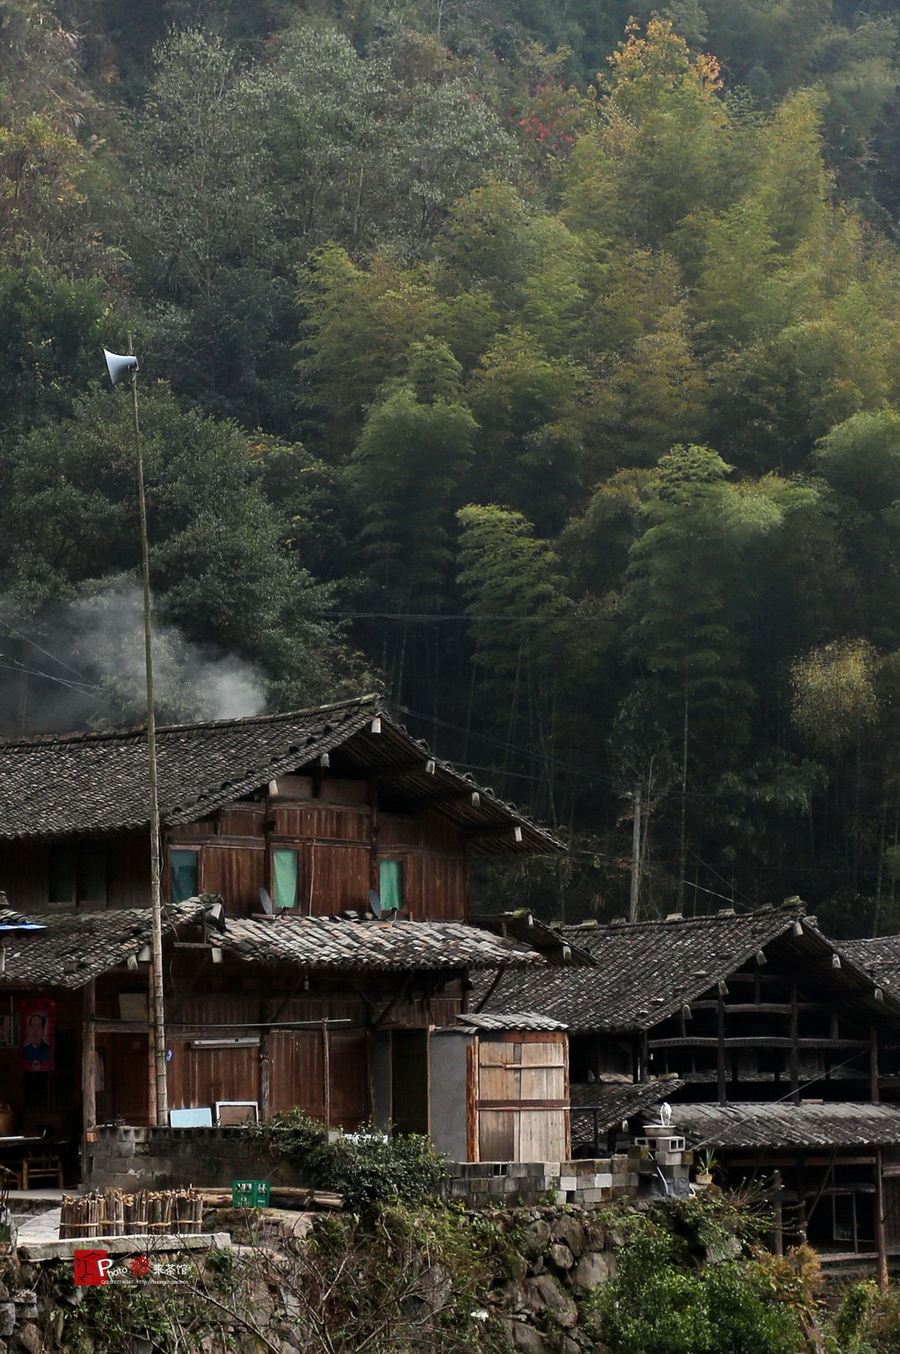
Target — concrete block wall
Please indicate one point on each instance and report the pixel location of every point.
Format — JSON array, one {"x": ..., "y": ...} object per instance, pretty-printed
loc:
[
  {"x": 584, "y": 1183},
  {"x": 641, "y": 1173}
]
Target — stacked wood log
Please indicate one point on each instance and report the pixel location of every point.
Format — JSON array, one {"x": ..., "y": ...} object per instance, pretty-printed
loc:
[
  {"x": 285, "y": 1196},
  {"x": 111, "y": 1212}
]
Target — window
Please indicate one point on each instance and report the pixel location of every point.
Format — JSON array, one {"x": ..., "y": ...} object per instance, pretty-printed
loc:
[
  {"x": 61, "y": 874},
  {"x": 76, "y": 873},
  {"x": 185, "y": 881},
  {"x": 390, "y": 884},
  {"x": 284, "y": 877},
  {"x": 91, "y": 874}
]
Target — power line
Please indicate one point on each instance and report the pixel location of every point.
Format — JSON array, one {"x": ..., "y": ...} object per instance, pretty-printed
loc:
[
  {"x": 34, "y": 644},
  {"x": 425, "y": 618}
]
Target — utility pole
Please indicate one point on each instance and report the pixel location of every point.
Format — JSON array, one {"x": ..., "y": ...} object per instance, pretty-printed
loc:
[
  {"x": 635, "y": 855},
  {"x": 158, "y": 1088}
]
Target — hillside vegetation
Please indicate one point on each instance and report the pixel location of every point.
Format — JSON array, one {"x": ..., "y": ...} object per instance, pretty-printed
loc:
[{"x": 537, "y": 363}]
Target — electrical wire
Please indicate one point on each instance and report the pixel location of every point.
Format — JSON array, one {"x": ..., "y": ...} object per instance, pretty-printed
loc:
[{"x": 34, "y": 644}]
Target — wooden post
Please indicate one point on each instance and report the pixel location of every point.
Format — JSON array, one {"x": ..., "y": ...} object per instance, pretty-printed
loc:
[
  {"x": 326, "y": 1072},
  {"x": 873, "y": 1065},
  {"x": 880, "y": 1243},
  {"x": 778, "y": 1219},
  {"x": 720, "y": 1051},
  {"x": 88, "y": 1071},
  {"x": 795, "y": 1045}
]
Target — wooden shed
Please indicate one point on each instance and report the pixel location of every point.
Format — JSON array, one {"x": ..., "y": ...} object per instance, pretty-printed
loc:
[{"x": 500, "y": 1089}]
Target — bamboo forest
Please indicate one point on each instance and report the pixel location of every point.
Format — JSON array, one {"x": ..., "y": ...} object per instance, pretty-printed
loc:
[{"x": 537, "y": 366}]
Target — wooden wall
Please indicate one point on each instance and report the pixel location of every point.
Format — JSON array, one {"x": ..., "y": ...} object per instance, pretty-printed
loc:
[
  {"x": 23, "y": 873},
  {"x": 336, "y": 827},
  {"x": 340, "y": 837}
]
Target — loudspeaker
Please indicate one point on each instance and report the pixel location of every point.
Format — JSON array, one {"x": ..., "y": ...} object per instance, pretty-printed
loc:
[{"x": 117, "y": 365}]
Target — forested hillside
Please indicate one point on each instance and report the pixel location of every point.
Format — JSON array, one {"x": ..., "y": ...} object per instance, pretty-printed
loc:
[{"x": 536, "y": 363}]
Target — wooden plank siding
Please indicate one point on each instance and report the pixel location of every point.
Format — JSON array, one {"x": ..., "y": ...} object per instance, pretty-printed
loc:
[
  {"x": 522, "y": 1097},
  {"x": 338, "y": 836}
]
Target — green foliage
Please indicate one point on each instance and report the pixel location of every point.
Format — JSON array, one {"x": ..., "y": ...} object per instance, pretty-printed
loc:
[
  {"x": 662, "y": 1302},
  {"x": 408, "y": 475},
  {"x": 503, "y": 255},
  {"x": 218, "y": 562},
  {"x": 370, "y": 1169}
]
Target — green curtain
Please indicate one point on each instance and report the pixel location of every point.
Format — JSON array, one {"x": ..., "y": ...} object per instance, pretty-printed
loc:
[
  {"x": 285, "y": 878},
  {"x": 184, "y": 875},
  {"x": 390, "y": 884}
]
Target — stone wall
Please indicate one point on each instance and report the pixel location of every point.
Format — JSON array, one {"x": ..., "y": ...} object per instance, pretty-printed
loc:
[{"x": 168, "y": 1158}]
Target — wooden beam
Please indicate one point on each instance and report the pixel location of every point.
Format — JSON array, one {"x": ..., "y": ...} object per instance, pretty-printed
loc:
[
  {"x": 326, "y": 1071},
  {"x": 764, "y": 1007},
  {"x": 496, "y": 830},
  {"x": 423, "y": 765},
  {"x": 873, "y": 1066},
  {"x": 757, "y": 1041},
  {"x": 88, "y": 1068},
  {"x": 880, "y": 1244},
  {"x": 470, "y": 797}
]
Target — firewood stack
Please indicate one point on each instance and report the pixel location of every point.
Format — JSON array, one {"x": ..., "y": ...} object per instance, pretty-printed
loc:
[{"x": 111, "y": 1212}]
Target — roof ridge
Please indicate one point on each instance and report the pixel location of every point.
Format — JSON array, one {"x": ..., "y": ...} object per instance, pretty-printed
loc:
[
  {"x": 139, "y": 730},
  {"x": 779, "y": 913}
]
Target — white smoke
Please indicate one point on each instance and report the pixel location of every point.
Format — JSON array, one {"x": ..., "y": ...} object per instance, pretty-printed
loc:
[{"x": 85, "y": 667}]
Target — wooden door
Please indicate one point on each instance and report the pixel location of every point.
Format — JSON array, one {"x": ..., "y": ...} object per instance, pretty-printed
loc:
[{"x": 522, "y": 1098}]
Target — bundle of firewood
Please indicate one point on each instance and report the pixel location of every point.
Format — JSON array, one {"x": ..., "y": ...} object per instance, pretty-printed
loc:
[{"x": 111, "y": 1212}]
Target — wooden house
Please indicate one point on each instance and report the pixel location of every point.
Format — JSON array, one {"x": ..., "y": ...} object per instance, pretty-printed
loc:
[
  {"x": 301, "y": 824},
  {"x": 777, "y": 1050}
]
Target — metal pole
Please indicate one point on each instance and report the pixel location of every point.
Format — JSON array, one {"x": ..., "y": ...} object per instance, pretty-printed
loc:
[{"x": 159, "y": 1097}]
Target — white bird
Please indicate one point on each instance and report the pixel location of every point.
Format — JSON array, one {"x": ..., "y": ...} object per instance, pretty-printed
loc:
[{"x": 665, "y": 1113}]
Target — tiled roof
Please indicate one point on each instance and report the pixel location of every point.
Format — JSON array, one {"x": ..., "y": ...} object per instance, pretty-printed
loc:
[
  {"x": 78, "y": 946},
  {"x": 646, "y": 972},
  {"x": 525, "y": 927},
  {"x": 333, "y": 943},
  {"x": 55, "y": 786},
  {"x": 525, "y": 1020},
  {"x": 759, "y": 1125},
  {"x": 613, "y": 1104},
  {"x": 880, "y": 956}
]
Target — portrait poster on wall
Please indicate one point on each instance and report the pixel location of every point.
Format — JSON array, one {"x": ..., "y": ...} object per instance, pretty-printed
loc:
[{"x": 38, "y": 1034}]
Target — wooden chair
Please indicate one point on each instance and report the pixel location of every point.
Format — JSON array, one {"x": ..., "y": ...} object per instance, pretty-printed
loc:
[{"x": 42, "y": 1162}]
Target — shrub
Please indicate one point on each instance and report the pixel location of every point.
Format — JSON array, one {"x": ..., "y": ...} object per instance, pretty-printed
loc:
[
  {"x": 368, "y": 1168},
  {"x": 664, "y": 1301}
]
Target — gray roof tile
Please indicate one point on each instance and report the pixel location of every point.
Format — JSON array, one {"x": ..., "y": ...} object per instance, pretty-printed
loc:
[
  {"x": 333, "y": 943},
  {"x": 78, "y": 946},
  {"x": 87, "y": 784},
  {"x": 779, "y": 1125},
  {"x": 646, "y": 972}
]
